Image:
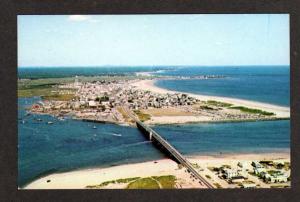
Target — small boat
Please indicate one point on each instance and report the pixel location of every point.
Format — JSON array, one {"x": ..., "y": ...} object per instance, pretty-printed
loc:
[
  {"x": 39, "y": 119},
  {"x": 94, "y": 127},
  {"x": 116, "y": 134},
  {"x": 61, "y": 118},
  {"x": 50, "y": 122},
  {"x": 23, "y": 121}
]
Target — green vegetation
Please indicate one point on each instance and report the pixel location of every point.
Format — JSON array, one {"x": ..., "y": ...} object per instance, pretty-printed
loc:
[
  {"x": 154, "y": 182},
  {"x": 287, "y": 165},
  {"x": 206, "y": 107},
  {"x": 195, "y": 165},
  {"x": 218, "y": 104},
  {"x": 143, "y": 183},
  {"x": 125, "y": 180},
  {"x": 212, "y": 168},
  {"x": 252, "y": 111},
  {"x": 102, "y": 99},
  {"x": 167, "y": 181},
  {"x": 35, "y": 90},
  {"x": 280, "y": 186},
  {"x": 142, "y": 117},
  {"x": 218, "y": 186},
  {"x": 207, "y": 176},
  {"x": 226, "y": 166},
  {"x": 60, "y": 97},
  {"x": 273, "y": 172},
  {"x": 252, "y": 173},
  {"x": 45, "y": 86}
]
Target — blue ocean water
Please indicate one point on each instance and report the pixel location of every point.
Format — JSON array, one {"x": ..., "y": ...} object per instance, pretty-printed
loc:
[
  {"x": 270, "y": 84},
  {"x": 70, "y": 144}
]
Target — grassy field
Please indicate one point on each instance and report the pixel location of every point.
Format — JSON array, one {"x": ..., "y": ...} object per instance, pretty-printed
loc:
[
  {"x": 45, "y": 86},
  {"x": 171, "y": 111},
  {"x": 218, "y": 104},
  {"x": 217, "y": 185},
  {"x": 60, "y": 97},
  {"x": 167, "y": 181},
  {"x": 252, "y": 111},
  {"x": 125, "y": 115},
  {"x": 103, "y": 184},
  {"x": 142, "y": 116},
  {"x": 143, "y": 183},
  {"x": 154, "y": 182}
]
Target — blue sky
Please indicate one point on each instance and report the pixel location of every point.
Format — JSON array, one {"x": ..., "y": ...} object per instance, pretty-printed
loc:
[{"x": 206, "y": 39}]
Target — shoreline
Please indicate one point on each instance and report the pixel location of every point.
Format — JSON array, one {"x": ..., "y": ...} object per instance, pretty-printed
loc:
[
  {"x": 280, "y": 111},
  {"x": 79, "y": 179}
]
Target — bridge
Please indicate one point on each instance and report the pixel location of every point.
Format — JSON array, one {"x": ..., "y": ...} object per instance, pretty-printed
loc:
[{"x": 155, "y": 137}]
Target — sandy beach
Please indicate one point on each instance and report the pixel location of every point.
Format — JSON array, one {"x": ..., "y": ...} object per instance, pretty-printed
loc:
[
  {"x": 79, "y": 179},
  {"x": 280, "y": 111}
]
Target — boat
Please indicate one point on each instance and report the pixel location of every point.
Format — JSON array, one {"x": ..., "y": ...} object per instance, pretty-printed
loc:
[
  {"x": 94, "y": 127},
  {"x": 23, "y": 121},
  {"x": 117, "y": 134},
  {"x": 61, "y": 118},
  {"x": 50, "y": 122},
  {"x": 39, "y": 119}
]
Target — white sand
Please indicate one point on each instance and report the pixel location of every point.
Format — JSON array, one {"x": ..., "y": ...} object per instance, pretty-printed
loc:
[
  {"x": 177, "y": 119},
  {"x": 81, "y": 178},
  {"x": 280, "y": 111}
]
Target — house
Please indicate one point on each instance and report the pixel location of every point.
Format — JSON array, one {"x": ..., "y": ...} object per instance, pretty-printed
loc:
[
  {"x": 276, "y": 177},
  {"x": 248, "y": 185},
  {"x": 92, "y": 103},
  {"x": 230, "y": 173},
  {"x": 256, "y": 164},
  {"x": 237, "y": 179},
  {"x": 259, "y": 171}
]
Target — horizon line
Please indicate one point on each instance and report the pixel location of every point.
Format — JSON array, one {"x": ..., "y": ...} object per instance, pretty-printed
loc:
[{"x": 149, "y": 66}]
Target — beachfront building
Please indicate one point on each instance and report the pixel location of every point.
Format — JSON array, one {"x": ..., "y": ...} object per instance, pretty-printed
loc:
[
  {"x": 258, "y": 169},
  {"x": 237, "y": 179},
  {"x": 275, "y": 177},
  {"x": 230, "y": 173},
  {"x": 248, "y": 185}
]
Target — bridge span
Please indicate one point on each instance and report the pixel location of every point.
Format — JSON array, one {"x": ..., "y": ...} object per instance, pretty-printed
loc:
[{"x": 154, "y": 136}]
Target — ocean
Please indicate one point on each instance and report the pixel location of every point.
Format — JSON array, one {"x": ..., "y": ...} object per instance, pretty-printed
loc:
[
  {"x": 264, "y": 84},
  {"x": 71, "y": 144}
]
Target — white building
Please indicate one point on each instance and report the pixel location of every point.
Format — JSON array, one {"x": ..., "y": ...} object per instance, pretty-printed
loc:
[{"x": 229, "y": 173}]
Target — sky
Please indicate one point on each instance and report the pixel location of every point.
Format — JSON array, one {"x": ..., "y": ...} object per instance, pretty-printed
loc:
[{"x": 152, "y": 40}]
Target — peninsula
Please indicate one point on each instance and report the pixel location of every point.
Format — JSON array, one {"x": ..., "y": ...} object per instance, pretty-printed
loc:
[{"x": 109, "y": 100}]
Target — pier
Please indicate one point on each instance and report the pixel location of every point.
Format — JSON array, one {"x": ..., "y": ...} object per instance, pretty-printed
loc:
[{"x": 155, "y": 137}]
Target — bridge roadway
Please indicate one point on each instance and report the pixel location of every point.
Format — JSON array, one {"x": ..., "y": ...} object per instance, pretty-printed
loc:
[
  {"x": 154, "y": 135},
  {"x": 173, "y": 152}
]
